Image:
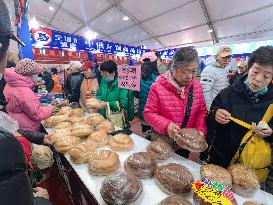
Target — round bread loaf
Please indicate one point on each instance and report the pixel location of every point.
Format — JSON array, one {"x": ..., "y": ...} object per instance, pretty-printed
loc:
[
  {"x": 106, "y": 126},
  {"x": 94, "y": 119},
  {"x": 59, "y": 133},
  {"x": 63, "y": 125},
  {"x": 81, "y": 130},
  {"x": 175, "y": 200},
  {"x": 60, "y": 118},
  {"x": 121, "y": 142},
  {"x": 103, "y": 162},
  {"x": 66, "y": 143},
  {"x": 159, "y": 150},
  {"x": 79, "y": 112},
  {"x": 100, "y": 138},
  {"x": 244, "y": 180},
  {"x": 48, "y": 123},
  {"x": 66, "y": 110},
  {"x": 174, "y": 179},
  {"x": 92, "y": 103},
  {"x": 216, "y": 173},
  {"x": 192, "y": 140},
  {"x": 76, "y": 119},
  {"x": 199, "y": 201},
  {"x": 122, "y": 188},
  {"x": 140, "y": 164},
  {"x": 80, "y": 152}
]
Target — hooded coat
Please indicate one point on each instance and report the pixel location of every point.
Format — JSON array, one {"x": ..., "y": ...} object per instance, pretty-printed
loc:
[{"x": 22, "y": 103}]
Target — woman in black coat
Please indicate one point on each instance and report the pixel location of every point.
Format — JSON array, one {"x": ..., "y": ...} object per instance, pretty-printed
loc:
[{"x": 247, "y": 99}]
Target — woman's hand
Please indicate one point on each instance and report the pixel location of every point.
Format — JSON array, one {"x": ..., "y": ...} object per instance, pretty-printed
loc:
[
  {"x": 40, "y": 192},
  {"x": 266, "y": 132},
  {"x": 222, "y": 116},
  {"x": 47, "y": 140},
  {"x": 173, "y": 131}
]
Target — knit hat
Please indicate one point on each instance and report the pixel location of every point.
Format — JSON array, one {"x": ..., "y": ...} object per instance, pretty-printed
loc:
[
  {"x": 42, "y": 157},
  {"x": 27, "y": 67},
  {"x": 88, "y": 64}
]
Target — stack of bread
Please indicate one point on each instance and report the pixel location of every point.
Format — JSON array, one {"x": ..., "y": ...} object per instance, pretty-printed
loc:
[{"x": 80, "y": 152}]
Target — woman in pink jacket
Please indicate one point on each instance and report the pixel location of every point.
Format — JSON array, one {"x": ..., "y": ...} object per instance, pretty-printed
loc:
[
  {"x": 167, "y": 102},
  {"x": 22, "y": 103}
]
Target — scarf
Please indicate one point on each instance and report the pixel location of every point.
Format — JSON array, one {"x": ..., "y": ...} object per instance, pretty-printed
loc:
[
  {"x": 180, "y": 89},
  {"x": 254, "y": 94}
]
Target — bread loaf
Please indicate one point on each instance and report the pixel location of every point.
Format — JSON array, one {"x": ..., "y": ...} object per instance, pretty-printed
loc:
[
  {"x": 174, "y": 179},
  {"x": 122, "y": 188},
  {"x": 66, "y": 110},
  {"x": 60, "y": 118},
  {"x": 192, "y": 140},
  {"x": 48, "y": 123},
  {"x": 77, "y": 112},
  {"x": 100, "y": 138},
  {"x": 121, "y": 142},
  {"x": 159, "y": 150},
  {"x": 76, "y": 119},
  {"x": 140, "y": 164},
  {"x": 94, "y": 119},
  {"x": 80, "y": 152},
  {"x": 106, "y": 126},
  {"x": 81, "y": 130},
  {"x": 103, "y": 162},
  {"x": 252, "y": 203},
  {"x": 175, "y": 200},
  {"x": 216, "y": 173},
  {"x": 244, "y": 180},
  {"x": 63, "y": 125},
  {"x": 66, "y": 143},
  {"x": 92, "y": 103}
]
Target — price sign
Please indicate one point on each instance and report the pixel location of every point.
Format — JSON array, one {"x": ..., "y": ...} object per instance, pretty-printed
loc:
[{"x": 129, "y": 77}]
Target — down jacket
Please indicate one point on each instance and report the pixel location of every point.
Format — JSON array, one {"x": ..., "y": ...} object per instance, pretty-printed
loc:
[
  {"x": 213, "y": 80},
  {"x": 22, "y": 103},
  {"x": 165, "y": 105}
]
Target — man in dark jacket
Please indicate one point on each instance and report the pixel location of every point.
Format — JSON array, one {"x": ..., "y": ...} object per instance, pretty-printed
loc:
[
  {"x": 239, "y": 73},
  {"x": 73, "y": 82},
  {"x": 49, "y": 83}
]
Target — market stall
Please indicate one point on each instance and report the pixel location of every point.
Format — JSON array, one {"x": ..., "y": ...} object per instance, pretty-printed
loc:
[{"x": 84, "y": 188}]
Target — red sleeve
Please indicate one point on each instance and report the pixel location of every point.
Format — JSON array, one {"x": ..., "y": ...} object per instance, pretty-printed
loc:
[{"x": 151, "y": 113}]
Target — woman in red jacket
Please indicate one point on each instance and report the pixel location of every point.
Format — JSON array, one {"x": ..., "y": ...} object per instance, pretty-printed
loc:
[{"x": 167, "y": 102}]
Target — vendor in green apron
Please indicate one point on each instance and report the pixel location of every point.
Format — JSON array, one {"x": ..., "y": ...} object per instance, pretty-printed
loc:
[{"x": 109, "y": 92}]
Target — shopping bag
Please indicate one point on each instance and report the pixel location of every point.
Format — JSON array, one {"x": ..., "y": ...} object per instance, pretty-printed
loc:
[
  {"x": 254, "y": 151},
  {"x": 117, "y": 118}
]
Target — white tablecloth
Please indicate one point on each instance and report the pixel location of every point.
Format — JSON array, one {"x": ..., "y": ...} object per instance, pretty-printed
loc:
[{"x": 152, "y": 194}]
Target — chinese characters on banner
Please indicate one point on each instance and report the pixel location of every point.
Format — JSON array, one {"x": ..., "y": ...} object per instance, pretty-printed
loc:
[{"x": 129, "y": 77}]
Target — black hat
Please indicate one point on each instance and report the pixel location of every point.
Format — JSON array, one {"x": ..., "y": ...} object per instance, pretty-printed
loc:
[{"x": 5, "y": 24}]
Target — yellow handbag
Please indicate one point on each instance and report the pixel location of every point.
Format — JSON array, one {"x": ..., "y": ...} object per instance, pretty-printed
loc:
[
  {"x": 117, "y": 118},
  {"x": 254, "y": 151}
]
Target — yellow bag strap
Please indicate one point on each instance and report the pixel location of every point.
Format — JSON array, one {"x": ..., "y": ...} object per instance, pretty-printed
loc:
[{"x": 248, "y": 136}]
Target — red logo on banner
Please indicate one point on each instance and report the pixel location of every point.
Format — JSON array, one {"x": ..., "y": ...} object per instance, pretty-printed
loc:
[{"x": 42, "y": 36}]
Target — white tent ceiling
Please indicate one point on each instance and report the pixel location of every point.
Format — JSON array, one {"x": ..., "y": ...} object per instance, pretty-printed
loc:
[{"x": 160, "y": 23}]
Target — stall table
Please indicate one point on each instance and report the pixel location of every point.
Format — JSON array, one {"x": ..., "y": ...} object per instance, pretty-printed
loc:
[{"x": 83, "y": 188}]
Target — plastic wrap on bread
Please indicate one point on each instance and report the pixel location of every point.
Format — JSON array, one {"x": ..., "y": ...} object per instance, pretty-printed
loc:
[
  {"x": 100, "y": 138},
  {"x": 122, "y": 188},
  {"x": 66, "y": 143},
  {"x": 192, "y": 140},
  {"x": 175, "y": 200},
  {"x": 174, "y": 179},
  {"x": 94, "y": 119},
  {"x": 103, "y": 162},
  {"x": 159, "y": 150},
  {"x": 106, "y": 126},
  {"x": 141, "y": 164},
  {"x": 121, "y": 142},
  {"x": 244, "y": 180},
  {"x": 81, "y": 130}
]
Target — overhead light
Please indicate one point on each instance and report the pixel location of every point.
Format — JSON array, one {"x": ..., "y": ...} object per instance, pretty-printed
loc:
[
  {"x": 210, "y": 30},
  {"x": 125, "y": 18},
  {"x": 156, "y": 43},
  {"x": 34, "y": 23},
  {"x": 51, "y": 8},
  {"x": 89, "y": 35}
]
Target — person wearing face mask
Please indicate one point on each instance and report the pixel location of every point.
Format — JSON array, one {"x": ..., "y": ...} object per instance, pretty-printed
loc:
[
  {"x": 22, "y": 103},
  {"x": 247, "y": 99},
  {"x": 109, "y": 92},
  {"x": 89, "y": 86},
  {"x": 176, "y": 99},
  {"x": 214, "y": 77}
]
